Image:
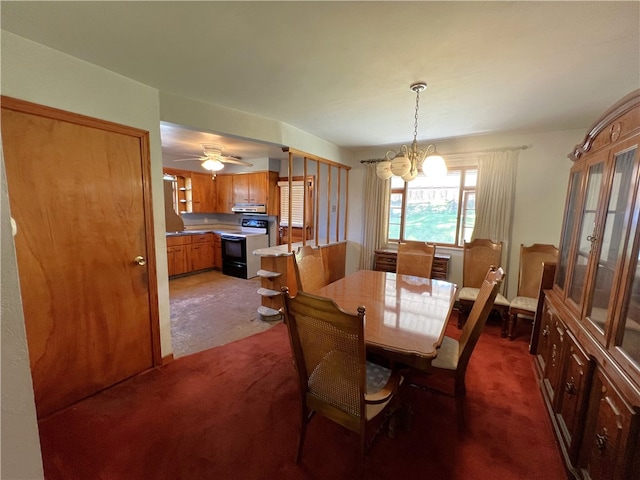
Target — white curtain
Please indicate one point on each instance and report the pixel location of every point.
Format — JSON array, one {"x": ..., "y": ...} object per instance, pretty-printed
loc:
[
  {"x": 376, "y": 216},
  {"x": 495, "y": 194}
]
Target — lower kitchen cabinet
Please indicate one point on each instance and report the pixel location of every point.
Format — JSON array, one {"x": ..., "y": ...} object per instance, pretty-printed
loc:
[
  {"x": 177, "y": 247},
  {"x": 217, "y": 251},
  {"x": 201, "y": 252},
  {"x": 190, "y": 253}
]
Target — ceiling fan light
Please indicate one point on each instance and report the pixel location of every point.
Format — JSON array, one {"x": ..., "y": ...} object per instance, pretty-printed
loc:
[
  {"x": 400, "y": 166},
  {"x": 434, "y": 166},
  {"x": 213, "y": 165},
  {"x": 383, "y": 170}
]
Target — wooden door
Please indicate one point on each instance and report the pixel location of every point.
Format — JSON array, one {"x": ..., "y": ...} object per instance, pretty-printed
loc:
[{"x": 79, "y": 191}]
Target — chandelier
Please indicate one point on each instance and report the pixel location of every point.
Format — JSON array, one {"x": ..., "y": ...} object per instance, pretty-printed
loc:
[{"x": 406, "y": 163}]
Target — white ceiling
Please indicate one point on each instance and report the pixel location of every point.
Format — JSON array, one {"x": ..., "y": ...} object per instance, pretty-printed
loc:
[{"x": 341, "y": 70}]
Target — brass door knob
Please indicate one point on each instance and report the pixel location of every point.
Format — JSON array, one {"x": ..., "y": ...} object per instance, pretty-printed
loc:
[{"x": 140, "y": 260}]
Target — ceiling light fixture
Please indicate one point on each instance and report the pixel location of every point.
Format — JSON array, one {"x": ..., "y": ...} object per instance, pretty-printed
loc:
[
  {"x": 213, "y": 165},
  {"x": 406, "y": 163}
]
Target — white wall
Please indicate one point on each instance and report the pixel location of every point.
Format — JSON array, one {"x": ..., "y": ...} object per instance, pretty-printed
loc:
[
  {"x": 38, "y": 74},
  {"x": 541, "y": 185},
  {"x": 41, "y": 75}
]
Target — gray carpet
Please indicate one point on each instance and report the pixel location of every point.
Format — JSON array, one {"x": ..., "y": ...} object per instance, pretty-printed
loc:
[{"x": 210, "y": 309}]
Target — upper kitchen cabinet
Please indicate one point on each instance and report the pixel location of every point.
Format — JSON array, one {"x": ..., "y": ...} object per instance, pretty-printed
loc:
[
  {"x": 203, "y": 193},
  {"x": 256, "y": 188},
  {"x": 224, "y": 193},
  {"x": 181, "y": 190}
]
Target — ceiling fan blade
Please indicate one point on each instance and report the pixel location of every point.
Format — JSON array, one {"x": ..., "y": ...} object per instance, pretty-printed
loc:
[
  {"x": 194, "y": 159},
  {"x": 235, "y": 161}
]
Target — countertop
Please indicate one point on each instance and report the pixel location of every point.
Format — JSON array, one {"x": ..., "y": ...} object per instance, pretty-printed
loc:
[
  {"x": 283, "y": 250},
  {"x": 199, "y": 229}
]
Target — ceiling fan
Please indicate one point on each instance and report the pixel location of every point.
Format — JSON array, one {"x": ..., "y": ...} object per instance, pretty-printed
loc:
[{"x": 213, "y": 159}]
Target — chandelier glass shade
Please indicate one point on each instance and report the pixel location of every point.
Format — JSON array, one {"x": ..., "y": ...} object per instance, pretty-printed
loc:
[
  {"x": 213, "y": 165},
  {"x": 410, "y": 160}
]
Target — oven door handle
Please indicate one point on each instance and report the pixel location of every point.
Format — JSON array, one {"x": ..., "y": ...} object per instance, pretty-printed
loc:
[{"x": 232, "y": 239}]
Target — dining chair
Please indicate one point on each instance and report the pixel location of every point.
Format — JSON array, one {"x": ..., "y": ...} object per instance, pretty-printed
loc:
[
  {"x": 309, "y": 269},
  {"x": 478, "y": 256},
  {"x": 335, "y": 379},
  {"x": 529, "y": 277},
  {"x": 454, "y": 355},
  {"x": 415, "y": 258}
]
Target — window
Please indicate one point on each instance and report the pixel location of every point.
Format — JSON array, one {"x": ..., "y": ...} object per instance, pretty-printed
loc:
[
  {"x": 438, "y": 211},
  {"x": 297, "y": 203}
]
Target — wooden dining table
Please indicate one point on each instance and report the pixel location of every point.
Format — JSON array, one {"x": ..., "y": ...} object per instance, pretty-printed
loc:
[{"x": 405, "y": 316}]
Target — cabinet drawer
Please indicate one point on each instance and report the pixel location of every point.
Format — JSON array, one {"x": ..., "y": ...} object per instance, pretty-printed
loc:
[
  {"x": 202, "y": 238},
  {"x": 174, "y": 240}
]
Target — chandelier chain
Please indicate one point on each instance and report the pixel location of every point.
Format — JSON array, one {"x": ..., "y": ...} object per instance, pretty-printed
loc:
[{"x": 415, "y": 125}]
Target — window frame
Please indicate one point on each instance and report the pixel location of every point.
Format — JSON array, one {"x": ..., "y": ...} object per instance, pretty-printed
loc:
[{"x": 463, "y": 193}]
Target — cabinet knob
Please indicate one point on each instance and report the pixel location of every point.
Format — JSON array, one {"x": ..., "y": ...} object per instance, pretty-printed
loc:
[
  {"x": 546, "y": 332},
  {"x": 140, "y": 260}
]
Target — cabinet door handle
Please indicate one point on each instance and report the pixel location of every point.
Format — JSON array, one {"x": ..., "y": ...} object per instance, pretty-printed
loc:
[
  {"x": 570, "y": 387},
  {"x": 140, "y": 260},
  {"x": 602, "y": 439},
  {"x": 546, "y": 332}
]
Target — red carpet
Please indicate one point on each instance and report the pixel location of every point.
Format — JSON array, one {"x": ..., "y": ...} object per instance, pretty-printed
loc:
[{"x": 232, "y": 413}]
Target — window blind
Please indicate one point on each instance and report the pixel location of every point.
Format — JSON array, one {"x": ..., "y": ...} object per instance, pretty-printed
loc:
[{"x": 297, "y": 203}]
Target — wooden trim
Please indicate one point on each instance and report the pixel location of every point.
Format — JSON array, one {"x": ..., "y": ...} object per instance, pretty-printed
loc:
[
  {"x": 293, "y": 151},
  {"x": 626, "y": 104},
  {"x": 167, "y": 359},
  {"x": 23, "y": 106}
]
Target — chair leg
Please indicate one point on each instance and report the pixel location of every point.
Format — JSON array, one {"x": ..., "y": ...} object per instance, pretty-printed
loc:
[
  {"x": 305, "y": 417},
  {"x": 504, "y": 317},
  {"x": 463, "y": 313},
  {"x": 513, "y": 319},
  {"x": 460, "y": 393}
]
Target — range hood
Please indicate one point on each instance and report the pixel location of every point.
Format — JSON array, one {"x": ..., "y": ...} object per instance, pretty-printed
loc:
[{"x": 249, "y": 208}]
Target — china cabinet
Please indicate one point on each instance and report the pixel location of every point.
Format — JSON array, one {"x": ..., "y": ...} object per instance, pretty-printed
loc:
[{"x": 589, "y": 356}]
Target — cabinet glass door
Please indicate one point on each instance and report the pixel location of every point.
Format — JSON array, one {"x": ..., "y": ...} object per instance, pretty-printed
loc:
[
  {"x": 611, "y": 243},
  {"x": 571, "y": 215},
  {"x": 587, "y": 233},
  {"x": 630, "y": 311}
]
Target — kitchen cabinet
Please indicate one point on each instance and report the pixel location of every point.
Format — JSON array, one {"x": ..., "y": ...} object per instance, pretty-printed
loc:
[
  {"x": 224, "y": 193},
  {"x": 181, "y": 187},
  {"x": 258, "y": 188},
  {"x": 177, "y": 247},
  {"x": 190, "y": 253},
  {"x": 217, "y": 251},
  {"x": 201, "y": 252},
  {"x": 592, "y": 385},
  {"x": 203, "y": 193}
]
